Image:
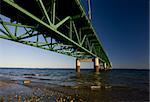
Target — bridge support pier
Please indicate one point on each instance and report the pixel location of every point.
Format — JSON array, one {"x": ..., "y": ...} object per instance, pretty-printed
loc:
[
  {"x": 96, "y": 64},
  {"x": 77, "y": 65},
  {"x": 105, "y": 66}
]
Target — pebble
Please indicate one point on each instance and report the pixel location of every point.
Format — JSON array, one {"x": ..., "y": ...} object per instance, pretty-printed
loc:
[
  {"x": 26, "y": 82},
  {"x": 95, "y": 87},
  {"x": 44, "y": 95},
  {"x": 108, "y": 87}
]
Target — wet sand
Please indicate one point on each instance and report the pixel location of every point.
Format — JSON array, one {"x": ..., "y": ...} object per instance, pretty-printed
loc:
[
  {"x": 3, "y": 84},
  {"x": 11, "y": 91}
]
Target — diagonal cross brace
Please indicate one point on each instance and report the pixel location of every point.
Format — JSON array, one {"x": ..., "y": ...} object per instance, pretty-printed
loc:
[
  {"x": 44, "y": 11},
  {"x": 76, "y": 33},
  {"x": 63, "y": 21},
  {"x": 47, "y": 26}
]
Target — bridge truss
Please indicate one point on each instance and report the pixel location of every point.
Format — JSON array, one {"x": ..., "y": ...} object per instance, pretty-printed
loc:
[{"x": 61, "y": 26}]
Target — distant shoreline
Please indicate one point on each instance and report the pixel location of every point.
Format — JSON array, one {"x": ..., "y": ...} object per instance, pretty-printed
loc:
[{"x": 71, "y": 68}]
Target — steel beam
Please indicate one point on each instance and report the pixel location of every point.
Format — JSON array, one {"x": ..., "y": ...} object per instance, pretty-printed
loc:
[
  {"x": 17, "y": 25},
  {"x": 63, "y": 21},
  {"x": 45, "y": 12},
  {"x": 83, "y": 40},
  {"x": 54, "y": 5},
  {"x": 53, "y": 27}
]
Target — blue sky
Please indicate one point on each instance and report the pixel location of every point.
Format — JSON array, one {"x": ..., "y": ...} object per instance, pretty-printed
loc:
[{"x": 122, "y": 26}]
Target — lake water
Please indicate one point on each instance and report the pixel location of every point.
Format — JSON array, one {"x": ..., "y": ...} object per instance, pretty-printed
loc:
[{"x": 138, "y": 80}]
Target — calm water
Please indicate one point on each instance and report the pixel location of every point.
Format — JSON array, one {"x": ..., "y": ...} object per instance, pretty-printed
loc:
[
  {"x": 68, "y": 77},
  {"x": 134, "y": 79}
]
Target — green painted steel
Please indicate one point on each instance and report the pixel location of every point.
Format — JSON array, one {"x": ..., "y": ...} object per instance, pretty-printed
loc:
[{"x": 65, "y": 27}]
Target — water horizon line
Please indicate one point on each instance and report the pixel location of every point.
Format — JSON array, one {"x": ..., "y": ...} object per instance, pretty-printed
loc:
[{"x": 55, "y": 68}]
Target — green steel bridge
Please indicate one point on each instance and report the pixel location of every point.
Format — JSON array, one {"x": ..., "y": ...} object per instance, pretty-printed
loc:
[{"x": 61, "y": 26}]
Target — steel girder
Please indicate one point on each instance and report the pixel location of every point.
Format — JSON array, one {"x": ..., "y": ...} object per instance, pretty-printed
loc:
[{"x": 61, "y": 35}]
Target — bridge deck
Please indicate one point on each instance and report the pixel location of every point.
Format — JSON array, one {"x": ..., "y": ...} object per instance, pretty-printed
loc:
[{"x": 76, "y": 30}]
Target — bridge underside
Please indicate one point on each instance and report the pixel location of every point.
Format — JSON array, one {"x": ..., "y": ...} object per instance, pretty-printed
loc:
[
  {"x": 98, "y": 65},
  {"x": 55, "y": 25}
]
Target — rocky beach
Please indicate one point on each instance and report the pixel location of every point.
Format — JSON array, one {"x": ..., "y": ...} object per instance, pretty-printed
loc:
[
  {"x": 11, "y": 91},
  {"x": 29, "y": 85}
]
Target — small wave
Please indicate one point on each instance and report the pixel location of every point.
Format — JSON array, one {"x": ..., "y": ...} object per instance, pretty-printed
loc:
[
  {"x": 37, "y": 78},
  {"x": 35, "y": 74},
  {"x": 29, "y": 74},
  {"x": 45, "y": 79}
]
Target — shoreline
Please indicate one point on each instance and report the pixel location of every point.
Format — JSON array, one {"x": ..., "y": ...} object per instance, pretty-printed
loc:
[{"x": 36, "y": 92}]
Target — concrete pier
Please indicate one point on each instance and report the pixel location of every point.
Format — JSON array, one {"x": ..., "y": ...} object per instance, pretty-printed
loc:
[
  {"x": 96, "y": 65},
  {"x": 77, "y": 65},
  {"x": 105, "y": 67}
]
